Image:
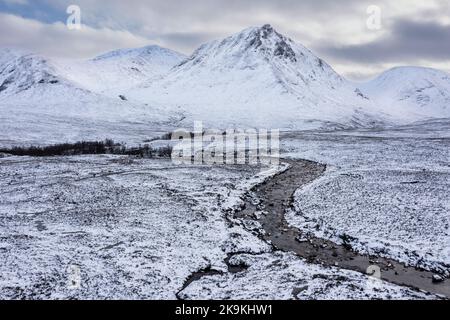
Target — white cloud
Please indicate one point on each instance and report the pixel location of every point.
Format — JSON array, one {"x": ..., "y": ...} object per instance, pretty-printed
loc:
[{"x": 57, "y": 40}]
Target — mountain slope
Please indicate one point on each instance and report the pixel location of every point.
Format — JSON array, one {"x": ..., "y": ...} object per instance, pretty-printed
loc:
[
  {"x": 39, "y": 105},
  {"x": 256, "y": 78},
  {"x": 21, "y": 71},
  {"x": 412, "y": 91},
  {"x": 114, "y": 72},
  {"x": 259, "y": 77}
]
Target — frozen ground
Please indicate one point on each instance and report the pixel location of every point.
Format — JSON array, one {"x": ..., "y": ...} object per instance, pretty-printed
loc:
[
  {"x": 139, "y": 229},
  {"x": 285, "y": 276},
  {"x": 136, "y": 230},
  {"x": 388, "y": 191},
  {"x": 49, "y": 123}
]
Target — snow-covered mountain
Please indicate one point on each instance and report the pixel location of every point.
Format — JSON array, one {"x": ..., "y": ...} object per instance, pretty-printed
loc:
[
  {"x": 21, "y": 71},
  {"x": 41, "y": 103},
  {"x": 30, "y": 79},
  {"x": 412, "y": 92},
  {"x": 259, "y": 77},
  {"x": 111, "y": 73},
  {"x": 115, "y": 72},
  {"x": 255, "y": 78}
]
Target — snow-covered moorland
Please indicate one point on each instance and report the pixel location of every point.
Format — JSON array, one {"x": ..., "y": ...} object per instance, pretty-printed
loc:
[
  {"x": 136, "y": 229},
  {"x": 140, "y": 229},
  {"x": 387, "y": 191}
]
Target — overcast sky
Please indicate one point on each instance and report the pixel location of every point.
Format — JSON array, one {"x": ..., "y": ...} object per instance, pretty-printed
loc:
[{"x": 411, "y": 32}]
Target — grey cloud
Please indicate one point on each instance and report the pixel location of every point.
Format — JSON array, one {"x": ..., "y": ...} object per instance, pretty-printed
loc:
[
  {"x": 407, "y": 41},
  {"x": 163, "y": 16},
  {"x": 57, "y": 40},
  {"x": 325, "y": 26},
  {"x": 185, "y": 41}
]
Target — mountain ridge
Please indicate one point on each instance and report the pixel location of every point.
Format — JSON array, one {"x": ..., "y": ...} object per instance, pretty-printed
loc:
[
  {"x": 258, "y": 71},
  {"x": 421, "y": 91},
  {"x": 254, "y": 78},
  {"x": 121, "y": 69}
]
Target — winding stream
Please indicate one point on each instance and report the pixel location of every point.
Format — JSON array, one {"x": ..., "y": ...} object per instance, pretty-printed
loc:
[{"x": 276, "y": 195}]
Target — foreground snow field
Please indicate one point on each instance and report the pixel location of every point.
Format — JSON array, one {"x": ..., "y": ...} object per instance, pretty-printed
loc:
[
  {"x": 285, "y": 276},
  {"x": 387, "y": 191},
  {"x": 136, "y": 230},
  {"x": 141, "y": 229}
]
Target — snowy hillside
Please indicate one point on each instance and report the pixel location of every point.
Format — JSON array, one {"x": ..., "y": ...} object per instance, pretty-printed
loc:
[
  {"x": 114, "y": 72},
  {"x": 412, "y": 91},
  {"x": 39, "y": 105},
  {"x": 259, "y": 77},
  {"x": 30, "y": 79},
  {"x": 255, "y": 78},
  {"x": 21, "y": 71}
]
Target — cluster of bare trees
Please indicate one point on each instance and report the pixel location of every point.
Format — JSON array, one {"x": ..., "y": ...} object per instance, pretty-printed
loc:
[{"x": 90, "y": 147}]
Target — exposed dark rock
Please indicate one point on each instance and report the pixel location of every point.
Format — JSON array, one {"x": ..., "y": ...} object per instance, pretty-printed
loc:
[
  {"x": 438, "y": 279},
  {"x": 360, "y": 94}
]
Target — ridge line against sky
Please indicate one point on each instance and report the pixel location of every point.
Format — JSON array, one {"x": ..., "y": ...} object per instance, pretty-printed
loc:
[{"x": 411, "y": 32}]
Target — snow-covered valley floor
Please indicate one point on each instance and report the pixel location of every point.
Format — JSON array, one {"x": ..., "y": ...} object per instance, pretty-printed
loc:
[
  {"x": 139, "y": 229},
  {"x": 386, "y": 192}
]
